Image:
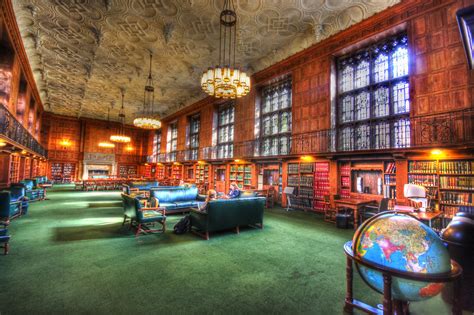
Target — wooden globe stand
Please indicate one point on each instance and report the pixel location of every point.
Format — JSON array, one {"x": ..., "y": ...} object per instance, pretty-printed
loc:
[{"x": 393, "y": 306}]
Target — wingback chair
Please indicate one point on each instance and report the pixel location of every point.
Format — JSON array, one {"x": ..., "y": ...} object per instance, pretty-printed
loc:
[
  {"x": 18, "y": 193},
  {"x": 8, "y": 208}
]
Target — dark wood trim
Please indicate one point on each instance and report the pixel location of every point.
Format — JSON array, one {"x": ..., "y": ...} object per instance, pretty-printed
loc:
[{"x": 6, "y": 9}]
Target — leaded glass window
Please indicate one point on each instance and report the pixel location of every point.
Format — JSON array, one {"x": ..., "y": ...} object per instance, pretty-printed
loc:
[
  {"x": 275, "y": 119},
  {"x": 225, "y": 130},
  {"x": 172, "y": 143},
  {"x": 373, "y": 102},
  {"x": 194, "y": 126},
  {"x": 157, "y": 143}
]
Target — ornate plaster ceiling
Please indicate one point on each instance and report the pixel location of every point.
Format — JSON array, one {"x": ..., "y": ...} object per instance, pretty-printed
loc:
[{"x": 83, "y": 51}]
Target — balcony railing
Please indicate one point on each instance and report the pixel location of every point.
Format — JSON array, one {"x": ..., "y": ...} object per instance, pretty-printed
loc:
[
  {"x": 14, "y": 131},
  {"x": 437, "y": 130}
]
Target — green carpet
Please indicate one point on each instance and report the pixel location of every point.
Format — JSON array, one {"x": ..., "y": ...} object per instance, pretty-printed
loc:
[{"x": 71, "y": 255}]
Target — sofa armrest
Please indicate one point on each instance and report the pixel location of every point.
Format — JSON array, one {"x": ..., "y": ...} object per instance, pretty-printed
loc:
[{"x": 197, "y": 211}]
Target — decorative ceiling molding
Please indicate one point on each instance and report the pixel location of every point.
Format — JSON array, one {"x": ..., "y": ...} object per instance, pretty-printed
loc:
[{"x": 82, "y": 52}]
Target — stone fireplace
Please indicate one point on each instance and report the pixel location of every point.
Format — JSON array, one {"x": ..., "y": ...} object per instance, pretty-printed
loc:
[{"x": 98, "y": 164}]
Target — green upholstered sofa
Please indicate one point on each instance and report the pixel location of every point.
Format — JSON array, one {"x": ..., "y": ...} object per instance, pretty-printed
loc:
[
  {"x": 223, "y": 214},
  {"x": 177, "y": 199}
]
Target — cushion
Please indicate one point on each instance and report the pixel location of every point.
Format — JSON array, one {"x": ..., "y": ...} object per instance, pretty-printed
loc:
[
  {"x": 186, "y": 204},
  {"x": 168, "y": 205},
  {"x": 247, "y": 194}
]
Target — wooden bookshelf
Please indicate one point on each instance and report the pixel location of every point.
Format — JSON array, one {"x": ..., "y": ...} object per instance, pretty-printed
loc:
[
  {"x": 160, "y": 172},
  {"x": 390, "y": 180},
  {"x": 177, "y": 171},
  {"x": 345, "y": 180},
  {"x": 242, "y": 174},
  {"x": 145, "y": 171},
  {"x": 321, "y": 185},
  {"x": 301, "y": 177},
  {"x": 450, "y": 183},
  {"x": 14, "y": 168},
  {"x": 202, "y": 172},
  {"x": 127, "y": 171},
  {"x": 63, "y": 172}
]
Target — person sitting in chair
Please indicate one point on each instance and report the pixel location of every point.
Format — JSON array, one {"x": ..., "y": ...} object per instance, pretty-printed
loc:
[
  {"x": 234, "y": 191},
  {"x": 211, "y": 195}
]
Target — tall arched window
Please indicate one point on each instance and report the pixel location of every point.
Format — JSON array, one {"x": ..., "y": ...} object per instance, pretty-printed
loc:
[{"x": 373, "y": 102}]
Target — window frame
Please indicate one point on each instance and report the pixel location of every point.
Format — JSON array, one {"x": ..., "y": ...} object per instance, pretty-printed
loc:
[
  {"x": 172, "y": 154},
  {"x": 266, "y": 92},
  {"x": 194, "y": 148},
  {"x": 220, "y": 127},
  {"x": 379, "y": 127}
]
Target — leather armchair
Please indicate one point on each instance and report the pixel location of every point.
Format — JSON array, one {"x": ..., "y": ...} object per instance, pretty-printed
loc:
[
  {"x": 18, "y": 193},
  {"x": 142, "y": 217},
  {"x": 8, "y": 209},
  {"x": 225, "y": 214},
  {"x": 33, "y": 192}
]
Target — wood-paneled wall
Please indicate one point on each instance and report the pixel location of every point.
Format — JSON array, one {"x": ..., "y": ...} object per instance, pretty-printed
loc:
[
  {"x": 84, "y": 135},
  {"x": 439, "y": 77},
  {"x": 16, "y": 76}
]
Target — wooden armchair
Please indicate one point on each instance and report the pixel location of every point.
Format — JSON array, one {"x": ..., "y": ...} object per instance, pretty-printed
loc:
[
  {"x": 149, "y": 215},
  {"x": 271, "y": 194}
]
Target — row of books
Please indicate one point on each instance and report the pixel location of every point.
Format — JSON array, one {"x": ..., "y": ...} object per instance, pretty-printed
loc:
[
  {"x": 319, "y": 206},
  {"x": 306, "y": 167},
  {"x": 305, "y": 192},
  {"x": 459, "y": 182},
  {"x": 320, "y": 193},
  {"x": 454, "y": 198},
  {"x": 241, "y": 168},
  {"x": 346, "y": 182},
  {"x": 306, "y": 181},
  {"x": 390, "y": 179},
  {"x": 321, "y": 167},
  {"x": 293, "y": 180},
  {"x": 390, "y": 168},
  {"x": 424, "y": 180},
  {"x": 456, "y": 167},
  {"x": 390, "y": 192},
  {"x": 449, "y": 211},
  {"x": 293, "y": 168},
  {"x": 423, "y": 167}
]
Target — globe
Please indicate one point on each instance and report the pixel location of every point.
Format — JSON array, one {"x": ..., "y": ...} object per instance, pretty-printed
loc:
[{"x": 400, "y": 242}]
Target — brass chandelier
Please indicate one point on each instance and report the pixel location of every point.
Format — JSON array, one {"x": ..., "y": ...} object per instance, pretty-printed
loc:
[
  {"x": 225, "y": 80},
  {"x": 120, "y": 136},
  {"x": 146, "y": 119}
]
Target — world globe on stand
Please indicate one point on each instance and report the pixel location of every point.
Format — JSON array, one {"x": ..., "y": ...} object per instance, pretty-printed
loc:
[{"x": 400, "y": 242}]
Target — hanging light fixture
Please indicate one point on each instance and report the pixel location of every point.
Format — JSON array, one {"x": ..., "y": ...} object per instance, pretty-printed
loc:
[
  {"x": 146, "y": 119},
  {"x": 120, "y": 136},
  {"x": 106, "y": 144},
  {"x": 225, "y": 80}
]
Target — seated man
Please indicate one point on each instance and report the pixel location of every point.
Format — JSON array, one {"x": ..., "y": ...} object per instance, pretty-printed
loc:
[{"x": 233, "y": 193}]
